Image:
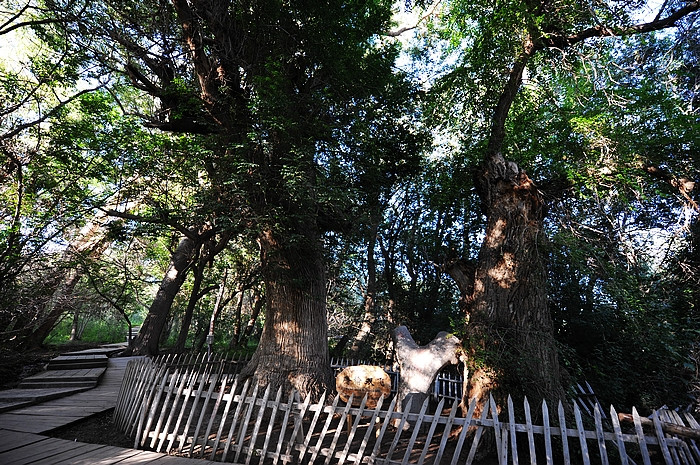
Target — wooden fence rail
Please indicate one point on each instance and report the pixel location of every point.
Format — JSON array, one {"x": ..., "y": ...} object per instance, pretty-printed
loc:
[{"x": 196, "y": 407}]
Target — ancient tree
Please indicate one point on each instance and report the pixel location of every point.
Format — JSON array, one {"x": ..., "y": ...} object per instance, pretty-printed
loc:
[{"x": 504, "y": 291}]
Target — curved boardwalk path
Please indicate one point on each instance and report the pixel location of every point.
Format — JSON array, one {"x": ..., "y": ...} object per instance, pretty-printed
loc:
[{"x": 21, "y": 429}]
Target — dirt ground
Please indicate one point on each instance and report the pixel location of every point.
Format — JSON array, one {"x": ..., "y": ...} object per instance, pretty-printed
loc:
[
  {"x": 98, "y": 429},
  {"x": 15, "y": 366}
]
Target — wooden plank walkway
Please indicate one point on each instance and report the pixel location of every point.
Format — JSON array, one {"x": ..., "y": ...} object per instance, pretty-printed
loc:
[
  {"x": 25, "y": 448},
  {"x": 21, "y": 443},
  {"x": 47, "y": 416},
  {"x": 73, "y": 361},
  {"x": 12, "y": 399}
]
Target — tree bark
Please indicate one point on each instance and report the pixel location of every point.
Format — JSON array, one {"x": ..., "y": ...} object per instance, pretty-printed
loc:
[
  {"x": 74, "y": 327},
  {"x": 293, "y": 350},
  {"x": 146, "y": 342},
  {"x": 258, "y": 302},
  {"x": 509, "y": 324},
  {"x": 241, "y": 337}
]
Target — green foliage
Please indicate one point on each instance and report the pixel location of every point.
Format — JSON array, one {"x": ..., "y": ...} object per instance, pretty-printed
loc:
[
  {"x": 315, "y": 134},
  {"x": 102, "y": 330}
]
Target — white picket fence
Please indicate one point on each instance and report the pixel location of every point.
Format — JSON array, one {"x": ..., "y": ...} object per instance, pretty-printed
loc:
[{"x": 195, "y": 407}]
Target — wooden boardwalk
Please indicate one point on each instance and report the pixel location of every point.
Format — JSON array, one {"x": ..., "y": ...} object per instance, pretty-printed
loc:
[
  {"x": 27, "y": 448},
  {"x": 47, "y": 416},
  {"x": 21, "y": 429}
]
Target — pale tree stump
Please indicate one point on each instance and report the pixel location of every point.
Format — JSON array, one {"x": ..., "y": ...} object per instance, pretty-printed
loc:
[
  {"x": 420, "y": 365},
  {"x": 358, "y": 381}
]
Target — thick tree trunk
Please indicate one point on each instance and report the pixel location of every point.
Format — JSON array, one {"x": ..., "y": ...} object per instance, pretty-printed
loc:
[
  {"x": 146, "y": 342},
  {"x": 293, "y": 349},
  {"x": 258, "y": 302},
  {"x": 509, "y": 324}
]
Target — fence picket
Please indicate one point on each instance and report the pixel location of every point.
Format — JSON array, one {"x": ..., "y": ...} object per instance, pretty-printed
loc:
[
  {"x": 246, "y": 421},
  {"x": 511, "y": 430},
  {"x": 446, "y": 432},
  {"x": 204, "y": 373},
  {"x": 297, "y": 431},
  {"x": 256, "y": 428},
  {"x": 227, "y": 407},
  {"x": 547, "y": 431},
  {"x": 210, "y": 424},
  {"x": 148, "y": 389},
  {"x": 142, "y": 372},
  {"x": 685, "y": 450},
  {"x": 431, "y": 431},
  {"x": 624, "y": 460},
  {"x": 173, "y": 411},
  {"x": 174, "y": 378},
  {"x": 156, "y": 394},
  {"x": 234, "y": 423},
  {"x": 339, "y": 429},
  {"x": 581, "y": 435},
  {"x": 353, "y": 430},
  {"x": 600, "y": 435},
  {"x": 399, "y": 429},
  {"x": 273, "y": 415},
  {"x": 497, "y": 431},
  {"x": 477, "y": 435},
  {"x": 564, "y": 434},
  {"x": 317, "y": 449},
  {"x": 205, "y": 404},
  {"x": 530, "y": 432},
  {"x": 387, "y": 419},
  {"x": 640, "y": 436},
  {"x": 283, "y": 427},
  {"x": 307, "y": 440},
  {"x": 693, "y": 444},
  {"x": 416, "y": 430},
  {"x": 662, "y": 438},
  {"x": 368, "y": 433},
  {"x": 131, "y": 407}
]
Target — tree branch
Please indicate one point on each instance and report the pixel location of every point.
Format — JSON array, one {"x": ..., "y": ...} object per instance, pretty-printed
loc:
[
  {"x": 427, "y": 15},
  {"x": 604, "y": 31},
  {"x": 8, "y": 27},
  {"x": 159, "y": 220},
  {"x": 532, "y": 44},
  {"x": 52, "y": 112}
]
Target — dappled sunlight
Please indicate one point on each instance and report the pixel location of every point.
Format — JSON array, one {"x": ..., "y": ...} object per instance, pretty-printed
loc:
[
  {"x": 496, "y": 235},
  {"x": 287, "y": 327},
  {"x": 504, "y": 272}
]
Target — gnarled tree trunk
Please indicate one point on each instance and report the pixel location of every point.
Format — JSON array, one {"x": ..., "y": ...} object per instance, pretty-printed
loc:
[
  {"x": 509, "y": 324},
  {"x": 293, "y": 350}
]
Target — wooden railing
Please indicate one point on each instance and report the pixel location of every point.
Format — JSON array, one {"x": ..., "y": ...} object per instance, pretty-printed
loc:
[{"x": 199, "y": 408}]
